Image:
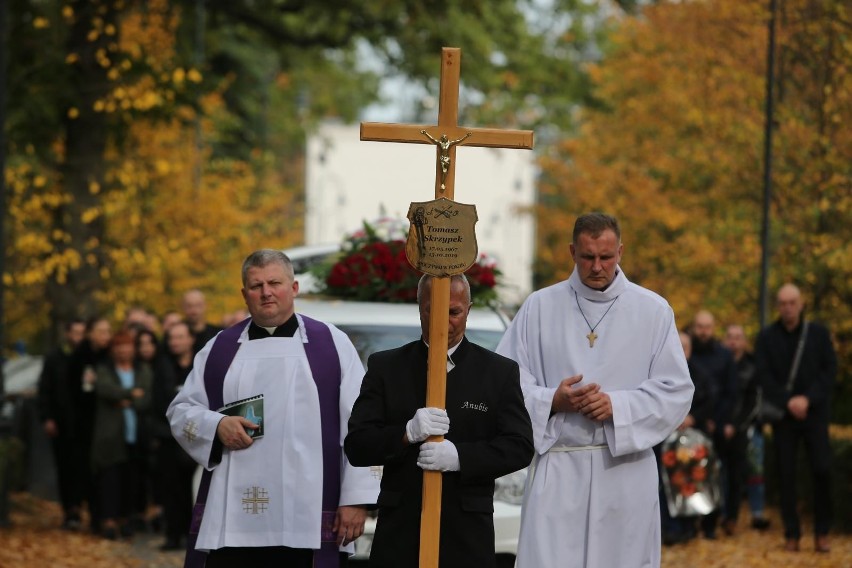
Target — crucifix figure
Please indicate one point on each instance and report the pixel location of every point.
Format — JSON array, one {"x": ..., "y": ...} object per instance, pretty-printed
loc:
[
  {"x": 446, "y": 137},
  {"x": 444, "y": 159}
]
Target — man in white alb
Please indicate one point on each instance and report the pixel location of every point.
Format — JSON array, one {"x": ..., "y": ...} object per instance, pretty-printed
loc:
[
  {"x": 290, "y": 497},
  {"x": 604, "y": 380}
]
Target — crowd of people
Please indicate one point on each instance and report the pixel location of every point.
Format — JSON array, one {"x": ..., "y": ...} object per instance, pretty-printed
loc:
[
  {"x": 725, "y": 409},
  {"x": 102, "y": 400},
  {"x": 589, "y": 380},
  {"x": 794, "y": 369}
]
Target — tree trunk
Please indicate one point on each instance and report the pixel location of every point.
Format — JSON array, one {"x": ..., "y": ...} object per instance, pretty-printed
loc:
[{"x": 83, "y": 169}]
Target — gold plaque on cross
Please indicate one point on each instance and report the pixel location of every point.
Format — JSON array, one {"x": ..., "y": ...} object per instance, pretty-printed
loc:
[{"x": 441, "y": 237}]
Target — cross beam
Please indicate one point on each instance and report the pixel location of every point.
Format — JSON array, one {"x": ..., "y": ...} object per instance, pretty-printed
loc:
[
  {"x": 447, "y": 135},
  {"x": 448, "y": 116}
]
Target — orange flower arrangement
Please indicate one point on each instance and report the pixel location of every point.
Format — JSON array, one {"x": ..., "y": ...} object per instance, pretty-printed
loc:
[{"x": 686, "y": 468}]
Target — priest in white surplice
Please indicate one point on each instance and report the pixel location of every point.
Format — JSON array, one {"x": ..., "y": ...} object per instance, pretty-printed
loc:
[
  {"x": 290, "y": 497},
  {"x": 604, "y": 380}
]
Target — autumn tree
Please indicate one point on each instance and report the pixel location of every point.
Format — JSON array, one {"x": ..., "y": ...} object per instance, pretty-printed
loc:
[
  {"x": 152, "y": 143},
  {"x": 115, "y": 197},
  {"x": 675, "y": 151}
]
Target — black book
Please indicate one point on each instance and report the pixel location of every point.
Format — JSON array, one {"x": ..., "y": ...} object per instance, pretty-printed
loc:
[{"x": 249, "y": 408}]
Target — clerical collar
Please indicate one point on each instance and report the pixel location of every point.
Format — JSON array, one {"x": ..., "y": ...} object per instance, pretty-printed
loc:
[
  {"x": 615, "y": 288},
  {"x": 286, "y": 329}
]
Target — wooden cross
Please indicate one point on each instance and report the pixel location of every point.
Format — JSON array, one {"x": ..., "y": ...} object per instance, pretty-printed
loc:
[{"x": 446, "y": 137}]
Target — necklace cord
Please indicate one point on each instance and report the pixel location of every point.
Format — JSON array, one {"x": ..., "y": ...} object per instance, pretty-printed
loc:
[{"x": 592, "y": 329}]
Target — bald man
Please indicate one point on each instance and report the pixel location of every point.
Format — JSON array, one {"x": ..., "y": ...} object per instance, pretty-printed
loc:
[
  {"x": 709, "y": 354},
  {"x": 194, "y": 307},
  {"x": 804, "y": 391}
]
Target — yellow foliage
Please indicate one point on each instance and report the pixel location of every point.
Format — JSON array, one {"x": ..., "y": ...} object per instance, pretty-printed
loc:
[
  {"x": 675, "y": 151},
  {"x": 90, "y": 214}
]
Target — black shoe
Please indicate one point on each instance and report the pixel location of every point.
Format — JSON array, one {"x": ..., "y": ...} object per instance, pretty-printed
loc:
[
  {"x": 138, "y": 525},
  {"x": 72, "y": 525},
  {"x": 673, "y": 538},
  {"x": 171, "y": 545},
  {"x": 760, "y": 523}
]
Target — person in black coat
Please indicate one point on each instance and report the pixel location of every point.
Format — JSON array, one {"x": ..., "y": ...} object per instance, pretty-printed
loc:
[
  {"x": 718, "y": 362},
  {"x": 681, "y": 529},
  {"x": 92, "y": 352},
  {"x": 806, "y": 404},
  {"x": 749, "y": 427},
  {"x": 56, "y": 400},
  {"x": 175, "y": 467},
  {"x": 487, "y": 431}
]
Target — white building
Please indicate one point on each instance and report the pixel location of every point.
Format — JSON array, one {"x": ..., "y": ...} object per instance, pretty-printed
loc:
[{"x": 350, "y": 181}]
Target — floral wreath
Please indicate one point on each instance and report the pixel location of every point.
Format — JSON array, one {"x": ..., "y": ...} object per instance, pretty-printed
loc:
[
  {"x": 690, "y": 473},
  {"x": 687, "y": 469},
  {"x": 372, "y": 266}
]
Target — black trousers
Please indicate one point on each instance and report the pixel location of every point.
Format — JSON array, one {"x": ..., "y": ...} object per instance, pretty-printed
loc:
[
  {"x": 175, "y": 471},
  {"x": 66, "y": 456},
  {"x": 121, "y": 486},
  {"x": 265, "y": 556},
  {"x": 733, "y": 455},
  {"x": 787, "y": 434}
]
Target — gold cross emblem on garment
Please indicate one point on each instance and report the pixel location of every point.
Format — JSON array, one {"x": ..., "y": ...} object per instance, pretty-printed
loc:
[{"x": 255, "y": 500}]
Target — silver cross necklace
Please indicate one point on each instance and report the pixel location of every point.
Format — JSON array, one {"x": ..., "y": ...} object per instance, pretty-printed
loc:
[{"x": 592, "y": 336}]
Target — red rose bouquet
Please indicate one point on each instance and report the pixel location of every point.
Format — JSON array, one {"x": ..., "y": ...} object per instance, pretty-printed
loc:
[{"x": 372, "y": 266}]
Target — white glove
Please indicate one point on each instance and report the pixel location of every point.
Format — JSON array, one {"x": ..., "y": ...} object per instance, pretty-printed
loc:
[
  {"x": 439, "y": 456},
  {"x": 427, "y": 422}
]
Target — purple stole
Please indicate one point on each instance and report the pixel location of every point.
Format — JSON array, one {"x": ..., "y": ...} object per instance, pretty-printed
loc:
[{"x": 325, "y": 367}]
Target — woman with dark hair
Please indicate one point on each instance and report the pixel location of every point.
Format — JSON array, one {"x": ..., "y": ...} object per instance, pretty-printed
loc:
[
  {"x": 91, "y": 352},
  {"x": 123, "y": 393},
  {"x": 176, "y": 467},
  {"x": 149, "y": 351}
]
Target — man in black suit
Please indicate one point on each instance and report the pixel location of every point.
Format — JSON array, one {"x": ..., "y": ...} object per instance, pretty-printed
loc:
[
  {"x": 796, "y": 365},
  {"x": 487, "y": 435}
]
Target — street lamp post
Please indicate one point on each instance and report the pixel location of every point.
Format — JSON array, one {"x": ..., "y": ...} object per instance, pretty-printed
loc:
[
  {"x": 5, "y": 425},
  {"x": 767, "y": 165}
]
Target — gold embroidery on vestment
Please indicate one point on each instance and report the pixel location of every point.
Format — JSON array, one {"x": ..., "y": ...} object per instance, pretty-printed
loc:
[
  {"x": 190, "y": 431},
  {"x": 255, "y": 500}
]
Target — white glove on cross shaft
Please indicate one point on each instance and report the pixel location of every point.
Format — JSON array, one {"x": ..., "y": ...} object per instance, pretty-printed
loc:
[
  {"x": 439, "y": 456},
  {"x": 427, "y": 422}
]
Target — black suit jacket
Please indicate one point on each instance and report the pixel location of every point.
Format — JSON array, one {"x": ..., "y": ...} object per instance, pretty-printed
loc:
[
  {"x": 489, "y": 426},
  {"x": 774, "y": 352}
]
